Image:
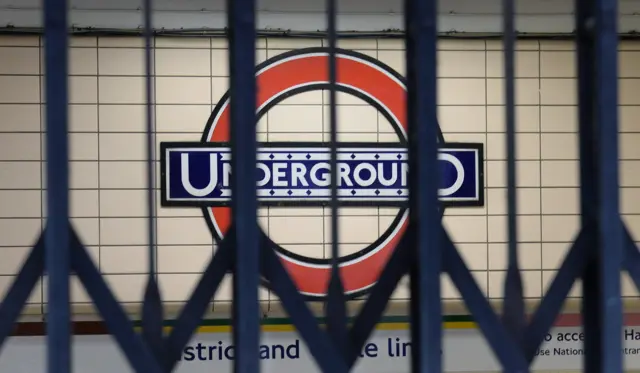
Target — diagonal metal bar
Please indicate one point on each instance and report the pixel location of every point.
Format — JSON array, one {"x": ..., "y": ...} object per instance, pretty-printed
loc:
[
  {"x": 632, "y": 258},
  {"x": 380, "y": 295},
  {"x": 426, "y": 307},
  {"x": 502, "y": 343},
  {"x": 545, "y": 315},
  {"x": 131, "y": 344},
  {"x": 513, "y": 305},
  {"x": 241, "y": 20},
  {"x": 152, "y": 310},
  {"x": 22, "y": 286},
  {"x": 57, "y": 258},
  {"x": 195, "y": 308},
  {"x": 320, "y": 345},
  {"x": 336, "y": 309}
]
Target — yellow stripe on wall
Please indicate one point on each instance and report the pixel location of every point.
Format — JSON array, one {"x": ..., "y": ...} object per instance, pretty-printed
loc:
[{"x": 208, "y": 329}]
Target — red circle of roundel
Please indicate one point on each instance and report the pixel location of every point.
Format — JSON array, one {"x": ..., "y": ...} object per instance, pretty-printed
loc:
[{"x": 299, "y": 69}]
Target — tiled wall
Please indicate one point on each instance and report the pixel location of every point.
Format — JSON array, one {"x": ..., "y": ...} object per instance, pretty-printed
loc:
[{"x": 108, "y": 153}]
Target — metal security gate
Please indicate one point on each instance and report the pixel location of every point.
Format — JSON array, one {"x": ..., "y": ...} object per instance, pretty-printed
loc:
[{"x": 601, "y": 250}]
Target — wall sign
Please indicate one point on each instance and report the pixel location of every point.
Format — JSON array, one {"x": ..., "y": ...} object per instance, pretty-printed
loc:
[{"x": 297, "y": 174}]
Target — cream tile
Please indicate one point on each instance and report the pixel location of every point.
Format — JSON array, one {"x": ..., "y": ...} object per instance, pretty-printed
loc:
[
  {"x": 20, "y": 147},
  {"x": 19, "y": 232},
  {"x": 315, "y": 250},
  {"x": 20, "y": 204},
  {"x": 13, "y": 259},
  {"x": 125, "y": 231},
  {"x": 183, "y": 62},
  {"x": 629, "y": 146},
  {"x": 25, "y": 89},
  {"x": 127, "y": 288},
  {"x": 83, "y": 118},
  {"x": 527, "y": 146},
  {"x": 557, "y": 64},
  {"x": 394, "y": 59},
  {"x": 461, "y": 64},
  {"x": 353, "y": 229},
  {"x": 521, "y": 45},
  {"x": 84, "y": 203},
  {"x": 526, "y": 91},
  {"x": 394, "y": 44},
  {"x": 472, "y": 229},
  {"x": 124, "y": 118},
  {"x": 123, "y": 203},
  {"x": 529, "y": 256},
  {"x": 350, "y": 119},
  {"x": 628, "y": 91},
  {"x": 559, "y": 146},
  {"x": 191, "y": 43},
  {"x": 20, "y": 40},
  {"x": 184, "y": 259},
  {"x": 553, "y": 254},
  {"x": 127, "y": 175},
  {"x": 121, "y": 61},
  {"x": 559, "y": 118},
  {"x": 559, "y": 174},
  {"x": 462, "y": 119},
  {"x": 83, "y": 41},
  {"x": 19, "y": 61},
  {"x": 124, "y": 259},
  {"x": 527, "y": 64},
  {"x": 629, "y": 173},
  {"x": 449, "y": 290},
  {"x": 20, "y": 118},
  {"x": 295, "y": 118},
  {"x": 558, "y": 92},
  {"x": 182, "y": 118},
  {"x": 122, "y": 147},
  {"x": 173, "y": 90},
  {"x": 120, "y": 42},
  {"x": 557, "y": 45},
  {"x": 308, "y": 230},
  {"x": 458, "y": 44},
  {"x": 528, "y": 201},
  {"x": 20, "y": 175},
  {"x": 121, "y": 90},
  {"x": 630, "y": 200},
  {"x": 528, "y": 173},
  {"x": 560, "y": 200},
  {"x": 549, "y": 276},
  {"x": 88, "y": 230},
  {"x": 527, "y": 119},
  {"x": 632, "y": 222},
  {"x": 560, "y": 228},
  {"x": 629, "y": 64},
  {"x": 461, "y": 91},
  {"x": 528, "y": 227},
  {"x": 292, "y": 43},
  {"x": 627, "y": 118},
  {"x": 475, "y": 255},
  {"x": 83, "y": 61},
  {"x": 183, "y": 231}
]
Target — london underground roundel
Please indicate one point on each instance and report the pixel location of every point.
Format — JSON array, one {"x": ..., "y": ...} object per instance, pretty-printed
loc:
[{"x": 295, "y": 174}]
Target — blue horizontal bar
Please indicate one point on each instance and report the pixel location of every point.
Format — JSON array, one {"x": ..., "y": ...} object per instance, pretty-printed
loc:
[{"x": 374, "y": 173}]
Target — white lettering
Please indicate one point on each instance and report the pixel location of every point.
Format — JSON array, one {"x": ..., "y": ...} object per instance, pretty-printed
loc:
[
  {"x": 298, "y": 171},
  {"x": 267, "y": 174},
  {"x": 323, "y": 180},
  {"x": 279, "y": 174},
  {"x": 186, "y": 182},
  {"x": 357, "y": 174},
  {"x": 394, "y": 174}
]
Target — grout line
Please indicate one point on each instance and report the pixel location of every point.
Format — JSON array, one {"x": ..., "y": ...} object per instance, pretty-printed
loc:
[
  {"x": 42, "y": 184},
  {"x": 155, "y": 174},
  {"x": 99, "y": 163},
  {"x": 486, "y": 165},
  {"x": 540, "y": 165}
]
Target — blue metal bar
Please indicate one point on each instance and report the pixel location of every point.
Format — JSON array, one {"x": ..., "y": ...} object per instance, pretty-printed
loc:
[
  {"x": 320, "y": 345},
  {"x": 57, "y": 144},
  {"x": 380, "y": 295},
  {"x": 611, "y": 240},
  {"x": 425, "y": 269},
  {"x": 20, "y": 290},
  {"x": 195, "y": 308},
  {"x": 246, "y": 311},
  {"x": 632, "y": 259},
  {"x": 499, "y": 338},
  {"x": 335, "y": 303},
  {"x": 591, "y": 291},
  {"x": 513, "y": 306},
  {"x": 152, "y": 310},
  {"x": 131, "y": 344},
  {"x": 572, "y": 267}
]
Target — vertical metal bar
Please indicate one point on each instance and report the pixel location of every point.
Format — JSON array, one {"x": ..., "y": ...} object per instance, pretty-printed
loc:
[
  {"x": 336, "y": 306},
  {"x": 610, "y": 253},
  {"x": 513, "y": 307},
  {"x": 152, "y": 312},
  {"x": 591, "y": 291},
  {"x": 57, "y": 256},
  {"x": 246, "y": 279},
  {"x": 426, "y": 312}
]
